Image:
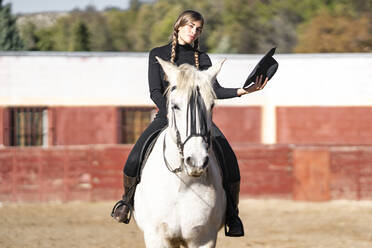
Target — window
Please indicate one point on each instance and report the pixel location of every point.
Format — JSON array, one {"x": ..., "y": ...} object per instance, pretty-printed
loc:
[
  {"x": 133, "y": 121},
  {"x": 28, "y": 126}
]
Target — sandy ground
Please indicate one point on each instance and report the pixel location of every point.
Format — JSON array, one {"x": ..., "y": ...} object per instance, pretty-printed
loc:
[{"x": 268, "y": 223}]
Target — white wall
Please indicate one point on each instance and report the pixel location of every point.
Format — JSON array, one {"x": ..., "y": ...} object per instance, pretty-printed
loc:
[
  {"x": 121, "y": 79},
  {"x": 309, "y": 79},
  {"x": 73, "y": 80},
  {"x": 34, "y": 78}
]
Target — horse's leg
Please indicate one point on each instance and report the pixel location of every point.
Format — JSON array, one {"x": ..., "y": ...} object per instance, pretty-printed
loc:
[
  {"x": 154, "y": 239},
  {"x": 207, "y": 241},
  {"x": 209, "y": 244}
]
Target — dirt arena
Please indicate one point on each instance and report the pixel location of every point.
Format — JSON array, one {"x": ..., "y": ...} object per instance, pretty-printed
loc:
[{"x": 268, "y": 223}]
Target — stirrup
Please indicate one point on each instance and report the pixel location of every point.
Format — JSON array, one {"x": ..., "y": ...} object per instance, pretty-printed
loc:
[{"x": 120, "y": 204}]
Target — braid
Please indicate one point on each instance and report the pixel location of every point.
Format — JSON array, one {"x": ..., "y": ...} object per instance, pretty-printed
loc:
[
  {"x": 196, "y": 54},
  {"x": 174, "y": 44},
  {"x": 173, "y": 51},
  {"x": 183, "y": 19}
]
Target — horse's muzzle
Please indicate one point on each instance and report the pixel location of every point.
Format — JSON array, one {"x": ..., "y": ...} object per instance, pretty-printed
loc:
[{"x": 196, "y": 168}]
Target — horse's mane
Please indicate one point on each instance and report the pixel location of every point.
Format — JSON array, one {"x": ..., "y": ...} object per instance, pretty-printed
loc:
[{"x": 190, "y": 80}]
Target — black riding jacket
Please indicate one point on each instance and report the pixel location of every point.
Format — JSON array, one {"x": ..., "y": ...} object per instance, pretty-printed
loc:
[{"x": 184, "y": 54}]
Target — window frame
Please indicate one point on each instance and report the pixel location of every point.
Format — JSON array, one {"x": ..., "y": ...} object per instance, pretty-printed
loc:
[
  {"x": 122, "y": 123},
  {"x": 26, "y": 126}
]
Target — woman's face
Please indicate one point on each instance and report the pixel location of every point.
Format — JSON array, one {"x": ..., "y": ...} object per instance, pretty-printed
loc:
[{"x": 188, "y": 33}]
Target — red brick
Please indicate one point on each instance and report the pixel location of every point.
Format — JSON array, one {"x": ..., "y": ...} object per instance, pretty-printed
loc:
[
  {"x": 365, "y": 163},
  {"x": 108, "y": 166},
  {"x": 2, "y": 126},
  {"x": 239, "y": 124},
  {"x": 53, "y": 174},
  {"x": 85, "y": 125},
  {"x": 111, "y": 157},
  {"x": 91, "y": 173},
  {"x": 324, "y": 125},
  {"x": 6, "y": 174},
  {"x": 345, "y": 169},
  {"x": 28, "y": 166},
  {"x": 351, "y": 169},
  {"x": 266, "y": 171},
  {"x": 311, "y": 173}
]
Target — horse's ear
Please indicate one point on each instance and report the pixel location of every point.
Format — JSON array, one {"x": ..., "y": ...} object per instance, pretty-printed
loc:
[
  {"x": 169, "y": 69},
  {"x": 215, "y": 69}
]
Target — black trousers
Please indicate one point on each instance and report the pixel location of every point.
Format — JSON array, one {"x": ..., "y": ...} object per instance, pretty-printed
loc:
[{"x": 231, "y": 170}]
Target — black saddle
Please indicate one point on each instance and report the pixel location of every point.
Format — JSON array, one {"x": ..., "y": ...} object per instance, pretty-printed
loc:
[{"x": 146, "y": 150}]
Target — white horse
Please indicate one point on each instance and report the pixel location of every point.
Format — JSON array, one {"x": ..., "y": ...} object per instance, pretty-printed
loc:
[{"x": 180, "y": 200}]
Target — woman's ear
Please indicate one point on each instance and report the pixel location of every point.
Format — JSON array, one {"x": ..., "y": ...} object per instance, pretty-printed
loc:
[{"x": 171, "y": 71}]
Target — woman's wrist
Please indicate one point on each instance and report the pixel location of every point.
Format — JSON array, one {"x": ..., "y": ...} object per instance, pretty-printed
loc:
[{"x": 241, "y": 92}]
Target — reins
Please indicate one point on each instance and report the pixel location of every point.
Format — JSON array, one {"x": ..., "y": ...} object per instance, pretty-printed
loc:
[
  {"x": 195, "y": 101},
  {"x": 179, "y": 169}
]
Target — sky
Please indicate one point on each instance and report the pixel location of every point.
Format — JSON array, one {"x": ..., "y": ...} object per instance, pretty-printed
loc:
[{"x": 32, "y": 6}]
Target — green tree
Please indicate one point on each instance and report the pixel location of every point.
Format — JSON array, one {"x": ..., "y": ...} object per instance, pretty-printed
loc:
[
  {"x": 63, "y": 30},
  {"x": 9, "y": 35},
  {"x": 119, "y": 24},
  {"x": 62, "y": 33},
  {"x": 45, "y": 39},
  {"x": 240, "y": 28},
  {"x": 162, "y": 27},
  {"x": 101, "y": 39},
  {"x": 335, "y": 33},
  {"x": 141, "y": 30},
  {"x": 29, "y": 36},
  {"x": 232, "y": 26},
  {"x": 135, "y": 5},
  {"x": 81, "y": 37}
]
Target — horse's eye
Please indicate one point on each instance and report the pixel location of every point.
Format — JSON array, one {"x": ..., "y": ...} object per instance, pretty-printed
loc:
[{"x": 175, "y": 106}]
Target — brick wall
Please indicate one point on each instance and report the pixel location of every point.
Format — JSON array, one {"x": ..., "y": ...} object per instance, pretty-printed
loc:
[
  {"x": 85, "y": 173},
  {"x": 294, "y": 125},
  {"x": 85, "y": 125},
  {"x": 239, "y": 124},
  {"x": 330, "y": 155},
  {"x": 93, "y": 173},
  {"x": 351, "y": 171},
  {"x": 1, "y": 126},
  {"x": 266, "y": 170},
  {"x": 311, "y": 174},
  {"x": 324, "y": 125}
]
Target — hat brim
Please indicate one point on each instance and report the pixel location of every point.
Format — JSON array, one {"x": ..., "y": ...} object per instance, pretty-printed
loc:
[{"x": 267, "y": 67}]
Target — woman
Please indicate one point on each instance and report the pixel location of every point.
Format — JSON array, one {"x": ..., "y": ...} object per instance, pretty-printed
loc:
[{"x": 184, "y": 49}]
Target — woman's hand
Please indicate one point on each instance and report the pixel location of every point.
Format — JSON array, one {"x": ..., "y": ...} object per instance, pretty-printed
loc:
[{"x": 258, "y": 85}]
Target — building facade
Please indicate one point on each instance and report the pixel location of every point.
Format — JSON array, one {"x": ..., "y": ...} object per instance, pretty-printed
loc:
[{"x": 55, "y": 106}]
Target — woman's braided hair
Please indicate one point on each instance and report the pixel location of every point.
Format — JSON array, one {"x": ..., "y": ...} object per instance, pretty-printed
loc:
[{"x": 183, "y": 19}]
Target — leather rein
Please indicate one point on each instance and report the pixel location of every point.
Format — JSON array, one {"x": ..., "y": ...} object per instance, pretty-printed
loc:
[{"x": 195, "y": 101}]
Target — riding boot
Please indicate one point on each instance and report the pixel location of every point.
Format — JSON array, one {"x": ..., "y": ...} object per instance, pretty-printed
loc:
[
  {"x": 122, "y": 211},
  {"x": 233, "y": 224}
]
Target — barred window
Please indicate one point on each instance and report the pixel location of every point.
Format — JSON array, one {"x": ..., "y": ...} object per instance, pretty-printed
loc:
[
  {"x": 133, "y": 121},
  {"x": 28, "y": 126}
]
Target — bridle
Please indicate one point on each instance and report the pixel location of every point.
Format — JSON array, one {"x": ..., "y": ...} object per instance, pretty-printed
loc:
[{"x": 195, "y": 103}]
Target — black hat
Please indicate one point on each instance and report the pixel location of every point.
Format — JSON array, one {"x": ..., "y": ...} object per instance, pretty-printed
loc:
[{"x": 266, "y": 67}]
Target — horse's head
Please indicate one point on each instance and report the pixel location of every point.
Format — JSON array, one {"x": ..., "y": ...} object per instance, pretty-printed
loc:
[{"x": 190, "y": 103}]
